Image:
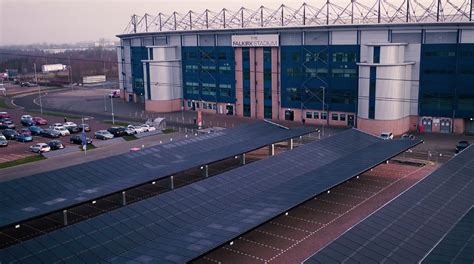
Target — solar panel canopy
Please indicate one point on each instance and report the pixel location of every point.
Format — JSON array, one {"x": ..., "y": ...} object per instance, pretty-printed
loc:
[
  {"x": 422, "y": 222},
  {"x": 181, "y": 225},
  {"x": 46, "y": 192}
]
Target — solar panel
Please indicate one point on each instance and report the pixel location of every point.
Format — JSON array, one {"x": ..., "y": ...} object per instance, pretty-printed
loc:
[
  {"x": 46, "y": 192},
  {"x": 409, "y": 227},
  {"x": 181, "y": 225},
  {"x": 458, "y": 245}
]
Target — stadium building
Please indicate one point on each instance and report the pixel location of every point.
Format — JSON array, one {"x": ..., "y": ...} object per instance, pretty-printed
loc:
[{"x": 378, "y": 66}]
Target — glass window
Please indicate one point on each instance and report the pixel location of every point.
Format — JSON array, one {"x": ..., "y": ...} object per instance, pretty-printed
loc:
[
  {"x": 293, "y": 94},
  {"x": 208, "y": 69},
  {"x": 204, "y": 105},
  {"x": 267, "y": 55},
  {"x": 246, "y": 110},
  {"x": 207, "y": 55},
  {"x": 224, "y": 69},
  {"x": 267, "y": 94},
  {"x": 309, "y": 115},
  {"x": 344, "y": 73},
  {"x": 324, "y": 115},
  {"x": 245, "y": 54},
  {"x": 267, "y": 76},
  {"x": 209, "y": 89},
  {"x": 335, "y": 117},
  {"x": 246, "y": 73},
  {"x": 342, "y": 117},
  {"x": 295, "y": 56},
  {"x": 267, "y": 112},
  {"x": 197, "y": 104},
  {"x": 316, "y": 115},
  {"x": 225, "y": 90},
  {"x": 222, "y": 56},
  {"x": 247, "y": 93},
  {"x": 189, "y": 103},
  {"x": 376, "y": 54}
]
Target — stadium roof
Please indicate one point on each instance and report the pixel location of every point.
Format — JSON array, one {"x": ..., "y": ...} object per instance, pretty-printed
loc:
[
  {"x": 430, "y": 222},
  {"x": 46, "y": 192},
  {"x": 182, "y": 225},
  {"x": 320, "y": 13}
]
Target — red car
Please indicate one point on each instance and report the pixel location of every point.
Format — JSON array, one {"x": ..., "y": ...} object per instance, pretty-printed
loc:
[
  {"x": 4, "y": 115},
  {"x": 24, "y": 131},
  {"x": 40, "y": 121}
]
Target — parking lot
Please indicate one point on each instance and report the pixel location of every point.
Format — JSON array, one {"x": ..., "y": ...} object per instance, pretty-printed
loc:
[{"x": 311, "y": 225}]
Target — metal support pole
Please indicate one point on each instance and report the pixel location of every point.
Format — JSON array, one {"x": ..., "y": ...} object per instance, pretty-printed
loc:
[
  {"x": 112, "y": 109},
  {"x": 242, "y": 159},
  {"x": 408, "y": 11},
  {"x": 378, "y": 16},
  {"x": 39, "y": 90},
  {"x": 205, "y": 171},
  {"x": 290, "y": 143},
  {"x": 105, "y": 102},
  {"x": 271, "y": 150},
  {"x": 437, "y": 10},
  {"x": 124, "y": 198},
  {"x": 327, "y": 12},
  {"x": 172, "y": 182},
  {"x": 65, "y": 217},
  {"x": 470, "y": 10}
]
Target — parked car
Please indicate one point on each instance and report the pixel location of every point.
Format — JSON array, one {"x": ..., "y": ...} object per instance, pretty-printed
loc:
[
  {"x": 7, "y": 125},
  {"x": 462, "y": 145},
  {"x": 40, "y": 148},
  {"x": 55, "y": 144},
  {"x": 28, "y": 84},
  {"x": 86, "y": 127},
  {"x": 24, "y": 131},
  {"x": 35, "y": 130},
  {"x": 114, "y": 94},
  {"x": 5, "y": 119},
  {"x": 50, "y": 133},
  {"x": 76, "y": 139},
  {"x": 27, "y": 122},
  {"x": 118, "y": 131},
  {"x": 147, "y": 128},
  {"x": 26, "y": 117},
  {"x": 103, "y": 134},
  {"x": 56, "y": 125},
  {"x": 62, "y": 130},
  {"x": 3, "y": 141},
  {"x": 40, "y": 121},
  {"x": 69, "y": 124},
  {"x": 4, "y": 115},
  {"x": 73, "y": 129},
  {"x": 386, "y": 135},
  {"x": 24, "y": 138},
  {"x": 136, "y": 129},
  {"x": 10, "y": 134},
  {"x": 408, "y": 137}
]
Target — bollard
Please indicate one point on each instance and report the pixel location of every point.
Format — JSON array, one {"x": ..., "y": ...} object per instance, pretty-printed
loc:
[
  {"x": 271, "y": 150},
  {"x": 242, "y": 159},
  {"x": 290, "y": 143},
  {"x": 65, "y": 217},
  {"x": 205, "y": 171},
  {"x": 172, "y": 182},
  {"x": 124, "y": 199}
]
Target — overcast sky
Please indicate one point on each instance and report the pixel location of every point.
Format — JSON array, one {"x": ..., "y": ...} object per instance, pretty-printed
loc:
[{"x": 70, "y": 21}]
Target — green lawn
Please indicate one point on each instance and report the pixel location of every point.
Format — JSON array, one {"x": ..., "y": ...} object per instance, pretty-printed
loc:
[
  {"x": 4, "y": 105},
  {"x": 21, "y": 161},
  {"x": 57, "y": 114},
  {"x": 89, "y": 147},
  {"x": 168, "y": 130},
  {"x": 130, "y": 137},
  {"x": 117, "y": 123}
]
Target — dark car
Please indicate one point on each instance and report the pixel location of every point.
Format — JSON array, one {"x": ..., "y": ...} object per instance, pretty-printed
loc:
[
  {"x": 76, "y": 139},
  {"x": 50, "y": 133},
  {"x": 35, "y": 130},
  {"x": 7, "y": 125},
  {"x": 4, "y": 119},
  {"x": 24, "y": 138},
  {"x": 10, "y": 134},
  {"x": 28, "y": 122},
  {"x": 55, "y": 144},
  {"x": 408, "y": 137},
  {"x": 118, "y": 131},
  {"x": 73, "y": 129},
  {"x": 86, "y": 127},
  {"x": 40, "y": 121},
  {"x": 462, "y": 145}
]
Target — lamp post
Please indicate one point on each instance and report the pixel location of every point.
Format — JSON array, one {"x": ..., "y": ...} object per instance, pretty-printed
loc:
[
  {"x": 39, "y": 89},
  {"x": 105, "y": 103},
  {"x": 112, "y": 109},
  {"x": 324, "y": 104}
]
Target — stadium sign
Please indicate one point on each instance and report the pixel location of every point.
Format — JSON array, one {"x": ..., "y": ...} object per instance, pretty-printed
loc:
[{"x": 255, "y": 40}]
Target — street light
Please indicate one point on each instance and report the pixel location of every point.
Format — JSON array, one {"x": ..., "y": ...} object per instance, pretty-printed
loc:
[
  {"x": 39, "y": 89},
  {"x": 105, "y": 102},
  {"x": 112, "y": 109}
]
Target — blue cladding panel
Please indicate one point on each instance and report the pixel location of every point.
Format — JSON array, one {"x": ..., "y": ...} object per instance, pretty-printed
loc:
[
  {"x": 137, "y": 55},
  {"x": 209, "y": 65},
  {"x": 446, "y": 77},
  {"x": 308, "y": 68}
]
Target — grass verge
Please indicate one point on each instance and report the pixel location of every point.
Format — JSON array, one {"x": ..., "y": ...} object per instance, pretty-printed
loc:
[
  {"x": 117, "y": 123},
  {"x": 168, "y": 130},
  {"x": 21, "y": 161},
  {"x": 130, "y": 137},
  {"x": 57, "y": 114},
  {"x": 4, "y": 105},
  {"x": 89, "y": 147}
]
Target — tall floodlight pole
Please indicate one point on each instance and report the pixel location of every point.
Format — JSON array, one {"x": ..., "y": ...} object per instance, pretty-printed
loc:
[
  {"x": 70, "y": 73},
  {"x": 39, "y": 89},
  {"x": 112, "y": 109},
  {"x": 324, "y": 104}
]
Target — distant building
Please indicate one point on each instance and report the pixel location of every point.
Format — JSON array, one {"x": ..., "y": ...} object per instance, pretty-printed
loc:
[
  {"x": 53, "y": 68},
  {"x": 375, "y": 73}
]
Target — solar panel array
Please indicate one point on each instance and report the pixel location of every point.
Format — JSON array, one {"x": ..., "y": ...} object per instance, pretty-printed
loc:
[
  {"x": 181, "y": 225},
  {"x": 458, "y": 245},
  {"x": 409, "y": 227},
  {"x": 42, "y": 193}
]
